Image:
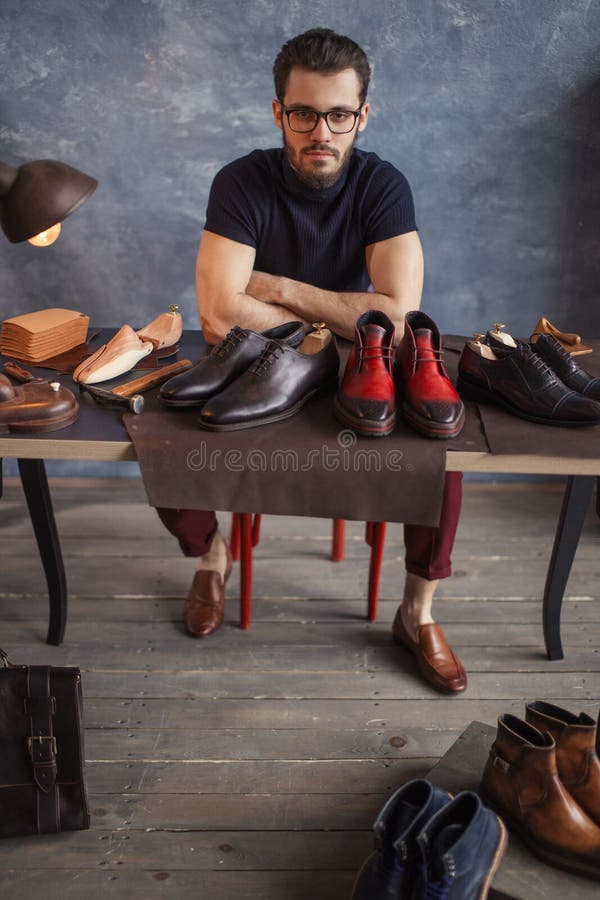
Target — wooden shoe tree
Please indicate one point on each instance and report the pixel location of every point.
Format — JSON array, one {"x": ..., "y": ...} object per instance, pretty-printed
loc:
[
  {"x": 317, "y": 340},
  {"x": 569, "y": 341},
  {"x": 165, "y": 330},
  {"x": 501, "y": 336},
  {"x": 119, "y": 355}
]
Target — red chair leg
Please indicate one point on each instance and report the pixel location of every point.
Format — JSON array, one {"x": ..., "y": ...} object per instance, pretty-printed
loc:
[
  {"x": 234, "y": 536},
  {"x": 256, "y": 529},
  {"x": 337, "y": 541},
  {"x": 246, "y": 569},
  {"x": 378, "y": 541}
]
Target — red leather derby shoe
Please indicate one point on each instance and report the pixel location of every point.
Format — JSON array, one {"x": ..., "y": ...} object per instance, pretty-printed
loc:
[
  {"x": 366, "y": 399},
  {"x": 430, "y": 401},
  {"x": 205, "y": 603},
  {"x": 436, "y": 661}
]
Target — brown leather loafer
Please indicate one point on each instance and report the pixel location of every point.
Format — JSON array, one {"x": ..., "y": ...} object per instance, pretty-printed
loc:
[
  {"x": 436, "y": 661},
  {"x": 205, "y": 603}
]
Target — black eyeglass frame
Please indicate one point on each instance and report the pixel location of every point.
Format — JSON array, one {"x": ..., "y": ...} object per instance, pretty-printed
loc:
[{"x": 288, "y": 110}]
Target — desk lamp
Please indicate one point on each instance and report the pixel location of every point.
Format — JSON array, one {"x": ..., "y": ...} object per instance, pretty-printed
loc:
[{"x": 37, "y": 196}]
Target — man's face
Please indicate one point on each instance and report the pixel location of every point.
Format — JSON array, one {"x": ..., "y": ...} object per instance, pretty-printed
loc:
[{"x": 319, "y": 157}]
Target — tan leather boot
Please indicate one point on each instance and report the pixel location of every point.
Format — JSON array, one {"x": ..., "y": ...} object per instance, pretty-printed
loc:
[
  {"x": 521, "y": 783},
  {"x": 576, "y": 760}
]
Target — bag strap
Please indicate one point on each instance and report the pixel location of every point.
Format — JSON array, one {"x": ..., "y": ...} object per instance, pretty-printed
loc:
[
  {"x": 4, "y": 659},
  {"x": 40, "y": 706}
]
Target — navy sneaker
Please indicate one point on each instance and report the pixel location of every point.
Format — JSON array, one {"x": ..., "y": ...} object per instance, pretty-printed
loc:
[
  {"x": 389, "y": 872},
  {"x": 461, "y": 848}
]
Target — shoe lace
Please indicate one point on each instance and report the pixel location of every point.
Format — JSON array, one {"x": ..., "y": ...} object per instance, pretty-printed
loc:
[
  {"x": 383, "y": 869},
  {"x": 540, "y": 364},
  {"x": 432, "y": 355},
  {"x": 272, "y": 351},
  {"x": 232, "y": 338},
  {"x": 438, "y": 890},
  {"x": 559, "y": 350},
  {"x": 385, "y": 353}
]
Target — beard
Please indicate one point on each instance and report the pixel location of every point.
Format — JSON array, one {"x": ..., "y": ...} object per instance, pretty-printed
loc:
[{"x": 312, "y": 177}]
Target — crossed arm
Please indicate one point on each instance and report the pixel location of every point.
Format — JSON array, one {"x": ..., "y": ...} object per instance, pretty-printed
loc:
[{"x": 230, "y": 292}]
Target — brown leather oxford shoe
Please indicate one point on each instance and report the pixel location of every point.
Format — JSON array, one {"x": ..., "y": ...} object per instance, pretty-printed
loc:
[
  {"x": 436, "y": 661},
  {"x": 205, "y": 603}
]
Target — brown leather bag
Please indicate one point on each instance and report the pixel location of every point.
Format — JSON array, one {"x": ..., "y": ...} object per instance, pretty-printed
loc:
[{"x": 42, "y": 778}]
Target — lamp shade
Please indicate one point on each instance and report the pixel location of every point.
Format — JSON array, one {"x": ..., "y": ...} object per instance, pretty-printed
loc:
[{"x": 37, "y": 195}]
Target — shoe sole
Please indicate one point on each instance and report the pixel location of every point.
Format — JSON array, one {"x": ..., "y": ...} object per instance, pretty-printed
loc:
[
  {"x": 364, "y": 427},
  {"x": 498, "y": 857},
  {"x": 277, "y": 417},
  {"x": 548, "y": 856},
  {"x": 366, "y": 863},
  {"x": 432, "y": 430},
  {"x": 480, "y": 394},
  {"x": 182, "y": 404},
  {"x": 38, "y": 426}
]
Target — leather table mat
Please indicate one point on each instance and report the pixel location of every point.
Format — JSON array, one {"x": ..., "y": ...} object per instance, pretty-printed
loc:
[
  {"x": 306, "y": 465},
  {"x": 508, "y": 434}
]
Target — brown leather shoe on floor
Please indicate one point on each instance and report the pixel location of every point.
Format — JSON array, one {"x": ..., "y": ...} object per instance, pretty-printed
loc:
[
  {"x": 205, "y": 603},
  {"x": 436, "y": 661}
]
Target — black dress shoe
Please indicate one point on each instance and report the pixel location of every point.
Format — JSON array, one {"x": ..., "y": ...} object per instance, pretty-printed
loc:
[
  {"x": 524, "y": 385},
  {"x": 563, "y": 364},
  {"x": 224, "y": 363},
  {"x": 275, "y": 387}
]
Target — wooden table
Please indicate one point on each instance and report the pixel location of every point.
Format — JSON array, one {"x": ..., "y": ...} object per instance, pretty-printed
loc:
[{"x": 99, "y": 436}]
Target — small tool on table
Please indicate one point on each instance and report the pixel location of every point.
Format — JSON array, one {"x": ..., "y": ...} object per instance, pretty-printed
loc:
[
  {"x": 24, "y": 376},
  {"x": 129, "y": 394}
]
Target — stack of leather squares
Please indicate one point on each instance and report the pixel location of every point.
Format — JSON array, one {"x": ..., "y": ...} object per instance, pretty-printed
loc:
[{"x": 36, "y": 336}]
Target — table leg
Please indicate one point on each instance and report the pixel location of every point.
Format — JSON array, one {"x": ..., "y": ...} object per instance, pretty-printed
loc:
[
  {"x": 576, "y": 501},
  {"x": 37, "y": 494}
]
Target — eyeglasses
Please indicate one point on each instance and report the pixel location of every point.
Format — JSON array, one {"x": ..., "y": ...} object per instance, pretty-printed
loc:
[{"x": 305, "y": 119}]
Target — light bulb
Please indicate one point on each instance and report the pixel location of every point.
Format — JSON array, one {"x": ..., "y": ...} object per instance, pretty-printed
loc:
[{"x": 47, "y": 237}]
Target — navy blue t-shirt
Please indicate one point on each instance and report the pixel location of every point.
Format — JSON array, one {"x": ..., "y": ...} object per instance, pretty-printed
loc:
[{"x": 312, "y": 235}]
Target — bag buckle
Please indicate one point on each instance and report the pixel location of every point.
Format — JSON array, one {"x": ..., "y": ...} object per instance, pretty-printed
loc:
[{"x": 38, "y": 738}]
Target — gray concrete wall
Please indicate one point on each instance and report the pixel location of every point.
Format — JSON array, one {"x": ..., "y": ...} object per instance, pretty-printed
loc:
[{"x": 491, "y": 109}]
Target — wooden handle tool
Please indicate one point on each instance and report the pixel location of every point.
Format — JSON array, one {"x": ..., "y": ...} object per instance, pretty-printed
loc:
[{"x": 152, "y": 379}]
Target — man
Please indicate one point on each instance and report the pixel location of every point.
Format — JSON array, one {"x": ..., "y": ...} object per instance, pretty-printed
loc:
[{"x": 301, "y": 233}]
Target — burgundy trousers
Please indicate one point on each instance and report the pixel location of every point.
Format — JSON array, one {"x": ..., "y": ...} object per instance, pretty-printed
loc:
[{"x": 428, "y": 549}]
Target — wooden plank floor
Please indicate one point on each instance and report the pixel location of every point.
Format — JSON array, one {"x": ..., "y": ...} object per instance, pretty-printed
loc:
[{"x": 252, "y": 764}]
